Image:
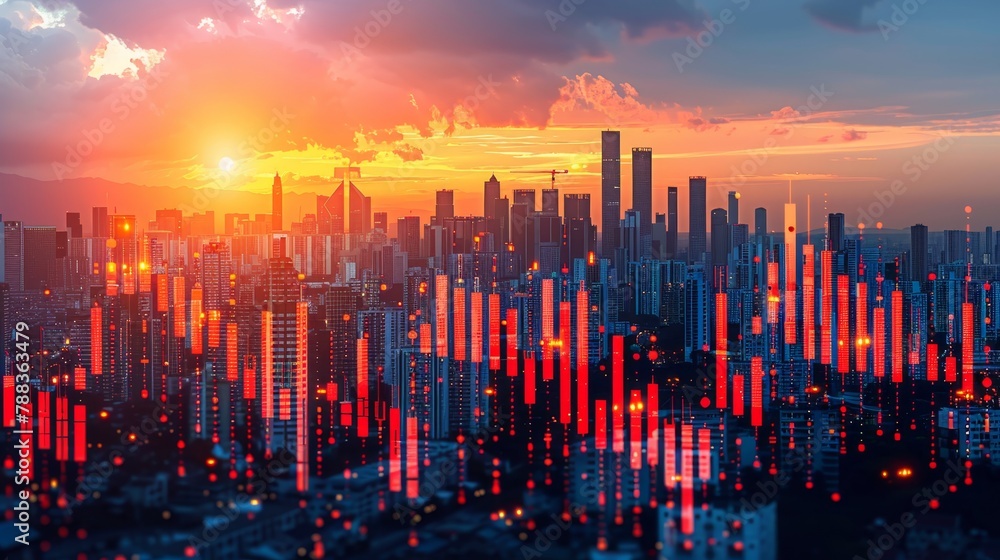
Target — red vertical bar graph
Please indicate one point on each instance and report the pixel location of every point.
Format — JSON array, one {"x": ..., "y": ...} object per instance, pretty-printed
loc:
[
  {"x": 738, "y": 390},
  {"x": 582, "y": 363},
  {"x": 826, "y": 308},
  {"x": 687, "y": 480},
  {"x": 363, "y": 388},
  {"x": 967, "y": 347},
  {"x": 96, "y": 341},
  {"x": 232, "y": 353},
  {"x": 843, "y": 324},
  {"x": 565, "y": 369},
  {"x": 266, "y": 367},
  {"x": 635, "y": 430},
  {"x": 669, "y": 455},
  {"x": 44, "y": 415},
  {"x": 932, "y": 362},
  {"x": 705, "y": 454},
  {"x": 512, "y": 342},
  {"x": 476, "y": 334},
  {"x": 618, "y": 393},
  {"x": 441, "y": 310},
  {"x": 808, "y": 302},
  {"x": 494, "y": 331},
  {"x": 412, "y": 460},
  {"x": 62, "y": 429},
  {"x": 878, "y": 341},
  {"x": 861, "y": 327},
  {"x": 721, "y": 350},
  {"x": 896, "y": 352},
  {"x": 653, "y": 424},
  {"x": 395, "y": 452},
  {"x": 461, "y": 337},
  {"x": 80, "y": 433},
  {"x": 756, "y": 391},
  {"x": 529, "y": 378},
  {"x": 601, "y": 424}
]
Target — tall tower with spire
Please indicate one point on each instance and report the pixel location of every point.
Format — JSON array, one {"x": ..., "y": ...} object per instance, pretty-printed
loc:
[{"x": 276, "y": 197}]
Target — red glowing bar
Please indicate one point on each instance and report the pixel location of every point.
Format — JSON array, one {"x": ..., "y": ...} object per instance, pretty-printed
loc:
[
  {"x": 529, "y": 378},
  {"x": 548, "y": 328},
  {"x": 214, "y": 328},
  {"x": 967, "y": 346},
  {"x": 250, "y": 383},
  {"x": 600, "y": 425},
  {"x": 44, "y": 413},
  {"x": 284, "y": 404},
  {"x": 425, "y": 338},
  {"x": 441, "y": 307},
  {"x": 460, "y": 331},
  {"x": 582, "y": 363},
  {"x": 843, "y": 324},
  {"x": 565, "y": 412},
  {"x": 896, "y": 352},
  {"x": 687, "y": 480},
  {"x": 266, "y": 366},
  {"x": 96, "y": 344},
  {"x": 196, "y": 318},
  {"x": 773, "y": 296},
  {"x": 826, "y": 308},
  {"x": 62, "y": 429},
  {"x": 493, "y": 300},
  {"x": 878, "y": 341},
  {"x": 932, "y": 362},
  {"x": 809, "y": 301},
  {"x": 162, "y": 294},
  {"x": 721, "y": 350},
  {"x": 301, "y": 396},
  {"x": 950, "y": 369},
  {"x": 653, "y": 424},
  {"x": 232, "y": 355},
  {"x": 635, "y": 430},
  {"x": 363, "y": 406},
  {"x": 861, "y": 325},
  {"x": 80, "y": 433},
  {"x": 512, "y": 343},
  {"x": 669, "y": 455},
  {"x": 180, "y": 320},
  {"x": 704, "y": 454},
  {"x": 395, "y": 452},
  {"x": 80, "y": 379},
  {"x": 9, "y": 409},
  {"x": 756, "y": 325},
  {"x": 412, "y": 461},
  {"x": 738, "y": 396},
  {"x": 477, "y": 328},
  {"x": 618, "y": 393},
  {"x": 756, "y": 391}
]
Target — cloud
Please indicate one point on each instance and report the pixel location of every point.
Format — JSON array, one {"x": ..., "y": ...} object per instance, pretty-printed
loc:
[
  {"x": 852, "y": 135},
  {"x": 847, "y": 15}
]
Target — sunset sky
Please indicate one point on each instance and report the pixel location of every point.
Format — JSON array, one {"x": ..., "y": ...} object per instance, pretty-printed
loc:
[{"x": 431, "y": 94}]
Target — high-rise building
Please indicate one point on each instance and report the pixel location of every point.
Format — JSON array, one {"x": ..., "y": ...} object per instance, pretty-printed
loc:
[
  {"x": 381, "y": 222},
  {"x": 611, "y": 196},
  {"x": 526, "y": 197},
  {"x": 74, "y": 225},
  {"x": 580, "y": 236},
  {"x": 697, "y": 205},
  {"x": 277, "y": 221},
  {"x": 642, "y": 194},
  {"x": 39, "y": 256},
  {"x": 491, "y": 195},
  {"x": 170, "y": 220},
  {"x": 408, "y": 233},
  {"x": 720, "y": 237},
  {"x": 835, "y": 227},
  {"x": 918, "y": 253},
  {"x": 734, "y": 208},
  {"x": 444, "y": 207},
  {"x": 671, "y": 249},
  {"x": 760, "y": 222},
  {"x": 359, "y": 215},
  {"x": 13, "y": 256},
  {"x": 100, "y": 225},
  {"x": 550, "y": 201}
]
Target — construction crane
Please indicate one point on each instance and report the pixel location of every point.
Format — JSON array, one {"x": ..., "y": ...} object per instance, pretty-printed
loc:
[{"x": 552, "y": 172}]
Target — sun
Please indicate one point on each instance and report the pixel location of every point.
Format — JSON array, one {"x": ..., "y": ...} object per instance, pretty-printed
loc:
[{"x": 227, "y": 164}]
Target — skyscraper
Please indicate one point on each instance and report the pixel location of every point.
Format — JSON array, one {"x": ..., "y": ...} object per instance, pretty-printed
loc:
[
  {"x": 642, "y": 195},
  {"x": 99, "y": 227},
  {"x": 697, "y": 238},
  {"x": 74, "y": 225},
  {"x": 611, "y": 192},
  {"x": 13, "y": 257},
  {"x": 720, "y": 237},
  {"x": 444, "y": 207},
  {"x": 491, "y": 194},
  {"x": 734, "y": 208},
  {"x": 760, "y": 222},
  {"x": 550, "y": 201},
  {"x": 671, "y": 249},
  {"x": 276, "y": 198},
  {"x": 918, "y": 253},
  {"x": 835, "y": 226}
]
